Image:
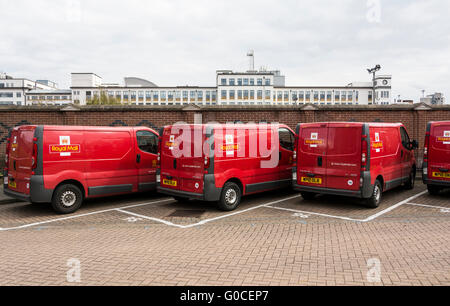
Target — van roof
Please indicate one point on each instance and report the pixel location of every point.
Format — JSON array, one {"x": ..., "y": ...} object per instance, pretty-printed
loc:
[
  {"x": 234, "y": 125},
  {"x": 378, "y": 124},
  {"x": 77, "y": 128}
]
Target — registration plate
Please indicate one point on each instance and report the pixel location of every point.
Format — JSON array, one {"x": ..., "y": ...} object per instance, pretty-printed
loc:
[
  {"x": 170, "y": 183},
  {"x": 12, "y": 184},
  {"x": 441, "y": 174},
  {"x": 312, "y": 180}
]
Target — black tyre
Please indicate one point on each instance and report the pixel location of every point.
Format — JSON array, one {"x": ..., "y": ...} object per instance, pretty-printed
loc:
[
  {"x": 433, "y": 189},
  {"x": 375, "y": 199},
  {"x": 67, "y": 199},
  {"x": 230, "y": 197},
  {"x": 411, "y": 180},
  {"x": 308, "y": 195}
]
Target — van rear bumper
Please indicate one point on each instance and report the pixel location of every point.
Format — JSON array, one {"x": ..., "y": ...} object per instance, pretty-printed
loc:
[
  {"x": 16, "y": 195},
  {"x": 340, "y": 192},
  {"x": 427, "y": 181},
  {"x": 210, "y": 192}
]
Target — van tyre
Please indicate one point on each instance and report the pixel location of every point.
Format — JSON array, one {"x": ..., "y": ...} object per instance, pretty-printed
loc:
[
  {"x": 230, "y": 197},
  {"x": 308, "y": 195},
  {"x": 67, "y": 199},
  {"x": 411, "y": 180},
  {"x": 180, "y": 199},
  {"x": 433, "y": 190},
  {"x": 375, "y": 198}
]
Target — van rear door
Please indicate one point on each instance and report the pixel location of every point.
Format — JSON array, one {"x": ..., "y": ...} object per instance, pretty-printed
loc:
[
  {"x": 311, "y": 161},
  {"x": 182, "y": 159},
  {"x": 343, "y": 162},
  {"x": 439, "y": 152},
  {"x": 20, "y": 159}
]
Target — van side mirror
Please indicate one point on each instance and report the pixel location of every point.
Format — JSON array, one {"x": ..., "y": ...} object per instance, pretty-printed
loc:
[{"x": 414, "y": 145}]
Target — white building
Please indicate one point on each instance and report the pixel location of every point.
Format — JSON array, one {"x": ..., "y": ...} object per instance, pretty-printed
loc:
[
  {"x": 13, "y": 91},
  {"x": 232, "y": 88},
  {"x": 433, "y": 99}
]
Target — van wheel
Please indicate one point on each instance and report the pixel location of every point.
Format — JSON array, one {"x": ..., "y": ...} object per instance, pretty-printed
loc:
[
  {"x": 411, "y": 180},
  {"x": 230, "y": 197},
  {"x": 375, "y": 198},
  {"x": 433, "y": 190},
  {"x": 67, "y": 199},
  {"x": 308, "y": 195}
]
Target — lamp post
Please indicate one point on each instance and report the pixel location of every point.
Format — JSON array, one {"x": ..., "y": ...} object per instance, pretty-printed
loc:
[{"x": 373, "y": 71}]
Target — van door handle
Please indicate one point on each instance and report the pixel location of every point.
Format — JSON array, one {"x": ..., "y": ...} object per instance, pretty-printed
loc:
[
  {"x": 174, "y": 163},
  {"x": 443, "y": 169},
  {"x": 319, "y": 161},
  {"x": 138, "y": 158},
  {"x": 310, "y": 175}
]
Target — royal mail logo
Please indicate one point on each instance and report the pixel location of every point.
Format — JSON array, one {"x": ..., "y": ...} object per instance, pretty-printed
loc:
[
  {"x": 377, "y": 145},
  {"x": 313, "y": 141},
  {"x": 65, "y": 148},
  {"x": 445, "y": 139},
  {"x": 230, "y": 147}
]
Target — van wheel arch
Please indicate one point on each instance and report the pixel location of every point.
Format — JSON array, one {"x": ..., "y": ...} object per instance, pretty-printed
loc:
[
  {"x": 73, "y": 182},
  {"x": 237, "y": 182},
  {"x": 381, "y": 180}
]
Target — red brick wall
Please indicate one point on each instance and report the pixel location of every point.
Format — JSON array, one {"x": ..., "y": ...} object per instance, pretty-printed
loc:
[{"x": 412, "y": 116}]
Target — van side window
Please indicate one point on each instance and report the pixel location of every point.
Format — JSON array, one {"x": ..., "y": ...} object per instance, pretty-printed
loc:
[
  {"x": 147, "y": 141},
  {"x": 286, "y": 139},
  {"x": 405, "y": 138}
]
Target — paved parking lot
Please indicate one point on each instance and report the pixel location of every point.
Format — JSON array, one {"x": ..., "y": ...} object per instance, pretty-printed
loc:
[{"x": 275, "y": 238}]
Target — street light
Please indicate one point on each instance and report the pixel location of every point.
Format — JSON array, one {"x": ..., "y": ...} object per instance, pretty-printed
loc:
[{"x": 373, "y": 71}]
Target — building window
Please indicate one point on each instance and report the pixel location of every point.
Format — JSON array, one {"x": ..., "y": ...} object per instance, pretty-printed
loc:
[
  {"x": 141, "y": 95},
  {"x": 337, "y": 95},
  {"x": 294, "y": 96},
  {"x": 246, "y": 82},
  {"x": 259, "y": 82},
  {"x": 200, "y": 95},
  {"x": 252, "y": 94},
  {"x": 163, "y": 95},
  {"x": 350, "y": 96},
  {"x": 259, "y": 94},
  {"x": 308, "y": 95},
  {"x": 252, "y": 82},
  {"x": 231, "y": 82},
  {"x": 155, "y": 96},
  {"x": 223, "y": 82},
  {"x": 192, "y": 95},
  {"x": 301, "y": 96},
  {"x": 240, "y": 94},
  {"x": 148, "y": 95},
  {"x": 357, "y": 96},
  {"x": 329, "y": 94},
  {"x": 245, "y": 94},
  {"x": 316, "y": 96},
  {"x": 214, "y": 95},
  {"x": 322, "y": 96},
  {"x": 343, "y": 96},
  {"x": 286, "y": 95},
  {"x": 239, "y": 82},
  {"x": 232, "y": 97},
  {"x": 267, "y": 95},
  {"x": 170, "y": 96},
  {"x": 267, "y": 82},
  {"x": 208, "y": 95},
  {"x": 223, "y": 94},
  {"x": 185, "y": 95}
]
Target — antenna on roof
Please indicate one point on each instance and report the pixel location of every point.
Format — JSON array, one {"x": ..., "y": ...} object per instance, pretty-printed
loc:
[{"x": 251, "y": 60}]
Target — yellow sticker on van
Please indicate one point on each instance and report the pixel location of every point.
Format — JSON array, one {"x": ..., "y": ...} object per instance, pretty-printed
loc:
[
  {"x": 170, "y": 183},
  {"x": 311, "y": 180},
  {"x": 441, "y": 175}
]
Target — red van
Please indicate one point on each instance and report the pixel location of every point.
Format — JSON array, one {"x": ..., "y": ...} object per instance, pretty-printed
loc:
[
  {"x": 66, "y": 164},
  {"x": 353, "y": 159},
  {"x": 236, "y": 160},
  {"x": 436, "y": 159}
]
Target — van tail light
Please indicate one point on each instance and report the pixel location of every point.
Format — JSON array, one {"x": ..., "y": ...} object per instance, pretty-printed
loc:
[
  {"x": 8, "y": 145},
  {"x": 34, "y": 157},
  {"x": 364, "y": 152},
  {"x": 425, "y": 149},
  {"x": 294, "y": 156},
  {"x": 207, "y": 161},
  {"x": 158, "y": 159}
]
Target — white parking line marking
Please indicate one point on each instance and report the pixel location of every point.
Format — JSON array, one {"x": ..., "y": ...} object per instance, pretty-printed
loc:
[
  {"x": 211, "y": 219},
  {"x": 83, "y": 215},
  {"x": 370, "y": 218},
  {"x": 430, "y": 206}
]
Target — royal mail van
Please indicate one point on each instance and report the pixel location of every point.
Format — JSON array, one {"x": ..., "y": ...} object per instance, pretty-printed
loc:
[
  {"x": 221, "y": 163},
  {"x": 64, "y": 165},
  {"x": 436, "y": 159},
  {"x": 353, "y": 159}
]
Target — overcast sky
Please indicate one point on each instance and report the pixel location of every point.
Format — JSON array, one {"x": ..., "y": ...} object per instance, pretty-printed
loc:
[{"x": 322, "y": 42}]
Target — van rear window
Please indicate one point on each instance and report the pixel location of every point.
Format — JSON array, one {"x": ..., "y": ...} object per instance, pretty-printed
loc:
[{"x": 344, "y": 140}]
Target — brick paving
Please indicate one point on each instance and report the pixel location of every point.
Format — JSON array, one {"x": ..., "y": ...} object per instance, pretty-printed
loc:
[{"x": 263, "y": 246}]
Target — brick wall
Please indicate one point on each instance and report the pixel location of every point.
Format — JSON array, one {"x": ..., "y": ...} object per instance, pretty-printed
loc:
[{"x": 414, "y": 117}]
